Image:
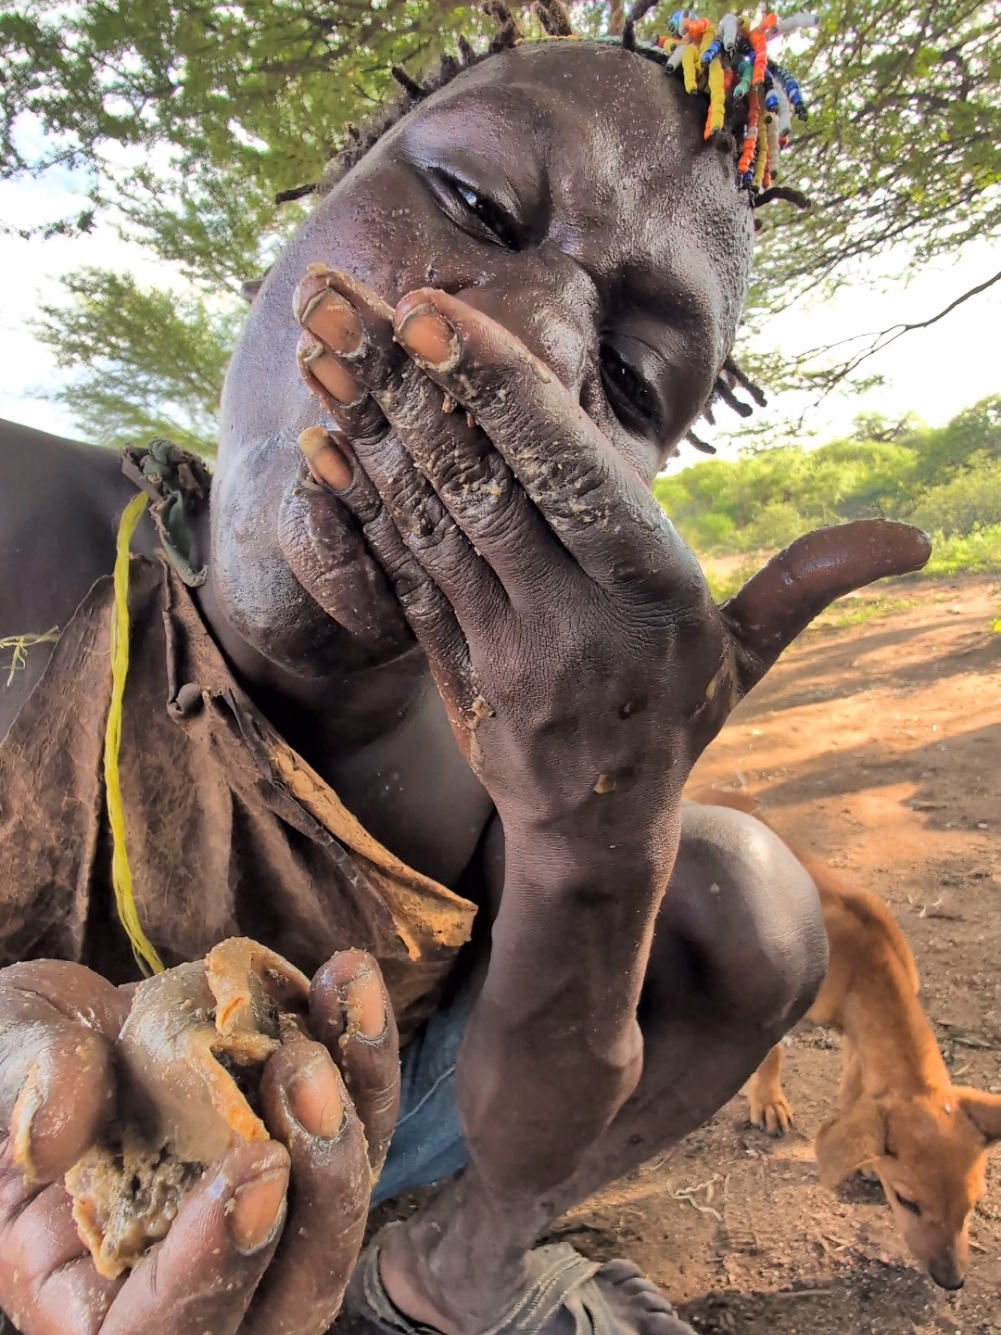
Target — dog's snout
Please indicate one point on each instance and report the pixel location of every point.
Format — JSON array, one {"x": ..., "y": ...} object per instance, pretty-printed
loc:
[{"x": 946, "y": 1273}]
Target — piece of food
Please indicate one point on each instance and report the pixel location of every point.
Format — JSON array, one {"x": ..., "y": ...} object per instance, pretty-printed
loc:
[{"x": 190, "y": 1058}]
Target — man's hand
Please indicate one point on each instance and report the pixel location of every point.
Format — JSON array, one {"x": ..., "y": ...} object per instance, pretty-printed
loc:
[
  {"x": 265, "y": 1243},
  {"x": 569, "y": 628}
]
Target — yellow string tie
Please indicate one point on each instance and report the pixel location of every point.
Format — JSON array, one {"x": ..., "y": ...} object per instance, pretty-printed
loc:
[{"x": 121, "y": 873}]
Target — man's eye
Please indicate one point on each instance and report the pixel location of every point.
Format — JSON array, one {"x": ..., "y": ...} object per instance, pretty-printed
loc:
[
  {"x": 912, "y": 1207},
  {"x": 632, "y": 400},
  {"x": 502, "y": 229}
]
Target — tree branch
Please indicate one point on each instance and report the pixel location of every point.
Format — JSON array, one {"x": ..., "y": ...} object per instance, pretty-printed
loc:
[{"x": 884, "y": 337}]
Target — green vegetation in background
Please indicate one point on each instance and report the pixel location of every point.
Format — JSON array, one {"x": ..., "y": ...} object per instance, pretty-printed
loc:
[{"x": 946, "y": 479}]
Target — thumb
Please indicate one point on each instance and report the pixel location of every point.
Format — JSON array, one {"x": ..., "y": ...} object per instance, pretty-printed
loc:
[{"x": 781, "y": 600}]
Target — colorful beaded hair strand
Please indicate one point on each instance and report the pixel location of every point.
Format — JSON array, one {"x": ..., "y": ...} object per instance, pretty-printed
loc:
[{"x": 729, "y": 62}]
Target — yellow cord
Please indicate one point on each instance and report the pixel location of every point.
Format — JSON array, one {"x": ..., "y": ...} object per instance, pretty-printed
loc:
[
  {"x": 690, "y": 67},
  {"x": 717, "y": 98},
  {"x": 121, "y": 873}
]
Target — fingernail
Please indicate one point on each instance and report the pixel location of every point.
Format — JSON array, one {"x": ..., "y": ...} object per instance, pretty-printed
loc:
[
  {"x": 325, "y": 460},
  {"x": 21, "y": 1119},
  {"x": 332, "y": 319},
  {"x": 255, "y": 1211},
  {"x": 315, "y": 1099},
  {"x": 325, "y": 367},
  {"x": 361, "y": 995},
  {"x": 427, "y": 333}
]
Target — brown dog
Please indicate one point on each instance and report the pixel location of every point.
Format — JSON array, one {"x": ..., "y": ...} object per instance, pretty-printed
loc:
[{"x": 899, "y": 1116}]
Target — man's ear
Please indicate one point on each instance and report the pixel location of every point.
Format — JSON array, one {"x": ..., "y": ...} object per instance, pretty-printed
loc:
[
  {"x": 850, "y": 1141},
  {"x": 983, "y": 1110},
  {"x": 250, "y": 289}
]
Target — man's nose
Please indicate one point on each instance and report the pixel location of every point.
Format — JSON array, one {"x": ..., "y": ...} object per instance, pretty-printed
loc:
[
  {"x": 555, "y": 321},
  {"x": 946, "y": 1271}
]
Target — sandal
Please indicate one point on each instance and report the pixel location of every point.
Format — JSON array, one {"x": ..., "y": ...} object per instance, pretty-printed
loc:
[{"x": 558, "y": 1277}]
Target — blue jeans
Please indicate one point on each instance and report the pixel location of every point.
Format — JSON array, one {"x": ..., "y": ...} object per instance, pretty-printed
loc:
[{"x": 428, "y": 1144}]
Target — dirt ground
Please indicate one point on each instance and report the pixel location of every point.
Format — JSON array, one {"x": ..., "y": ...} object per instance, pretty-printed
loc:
[{"x": 875, "y": 743}]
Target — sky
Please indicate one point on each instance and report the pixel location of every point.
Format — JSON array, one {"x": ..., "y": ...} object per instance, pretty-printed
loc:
[{"x": 931, "y": 373}]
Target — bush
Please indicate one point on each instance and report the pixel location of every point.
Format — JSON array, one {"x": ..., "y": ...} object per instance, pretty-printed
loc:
[
  {"x": 971, "y": 501},
  {"x": 947, "y": 480}
]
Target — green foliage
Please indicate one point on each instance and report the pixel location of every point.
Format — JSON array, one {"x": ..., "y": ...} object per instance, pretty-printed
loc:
[
  {"x": 976, "y": 553},
  {"x": 232, "y": 102},
  {"x": 145, "y": 362},
  {"x": 947, "y": 480}
]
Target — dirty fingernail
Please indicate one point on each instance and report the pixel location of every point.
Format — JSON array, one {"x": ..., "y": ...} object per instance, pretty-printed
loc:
[
  {"x": 255, "y": 1211},
  {"x": 427, "y": 333},
  {"x": 326, "y": 462},
  {"x": 324, "y": 367},
  {"x": 28, "y": 1103},
  {"x": 315, "y": 1098},
  {"x": 361, "y": 995},
  {"x": 331, "y": 318}
]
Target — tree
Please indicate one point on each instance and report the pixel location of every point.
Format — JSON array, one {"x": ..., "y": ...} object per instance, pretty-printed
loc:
[
  {"x": 191, "y": 117},
  {"x": 901, "y": 157},
  {"x": 148, "y": 362},
  {"x": 248, "y": 99}
]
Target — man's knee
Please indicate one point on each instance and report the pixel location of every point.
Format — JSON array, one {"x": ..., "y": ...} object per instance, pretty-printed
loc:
[{"x": 746, "y": 916}]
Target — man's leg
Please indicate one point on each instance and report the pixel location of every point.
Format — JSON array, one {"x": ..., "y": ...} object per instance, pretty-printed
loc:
[{"x": 738, "y": 957}]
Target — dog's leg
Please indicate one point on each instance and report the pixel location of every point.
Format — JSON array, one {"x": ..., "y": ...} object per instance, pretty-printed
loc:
[
  {"x": 769, "y": 1108},
  {"x": 850, "y": 1090}
]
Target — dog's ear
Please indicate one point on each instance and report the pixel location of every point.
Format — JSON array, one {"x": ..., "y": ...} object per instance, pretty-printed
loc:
[
  {"x": 850, "y": 1141},
  {"x": 983, "y": 1110}
]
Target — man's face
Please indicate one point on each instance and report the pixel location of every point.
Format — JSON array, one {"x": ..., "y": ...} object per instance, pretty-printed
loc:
[
  {"x": 562, "y": 188},
  {"x": 567, "y": 191}
]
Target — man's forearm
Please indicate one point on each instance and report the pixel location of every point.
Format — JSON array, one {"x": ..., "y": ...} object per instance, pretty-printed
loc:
[{"x": 553, "y": 1048}]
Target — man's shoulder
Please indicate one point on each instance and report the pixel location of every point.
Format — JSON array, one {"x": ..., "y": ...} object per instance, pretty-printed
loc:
[{"x": 60, "y": 501}]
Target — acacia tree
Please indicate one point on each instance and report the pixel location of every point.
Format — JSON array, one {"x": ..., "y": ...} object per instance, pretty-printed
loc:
[{"x": 191, "y": 117}]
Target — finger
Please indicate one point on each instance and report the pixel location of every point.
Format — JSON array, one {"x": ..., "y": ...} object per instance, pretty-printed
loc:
[
  {"x": 470, "y": 483},
  {"x": 57, "y": 1021},
  {"x": 350, "y": 1011},
  {"x": 425, "y": 607},
  {"x": 592, "y": 500},
  {"x": 308, "y": 1108},
  {"x": 780, "y": 601},
  {"x": 203, "y": 1275},
  {"x": 326, "y": 551},
  {"x": 48, "y": 1284},
  {"x": 356, "y": 414}
]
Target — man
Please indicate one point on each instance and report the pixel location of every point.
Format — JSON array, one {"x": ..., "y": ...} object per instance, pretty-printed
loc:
[{"x": 469, "y": 617}]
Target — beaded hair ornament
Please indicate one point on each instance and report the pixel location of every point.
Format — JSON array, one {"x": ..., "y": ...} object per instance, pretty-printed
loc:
[{"x": 729, "y": 61}]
